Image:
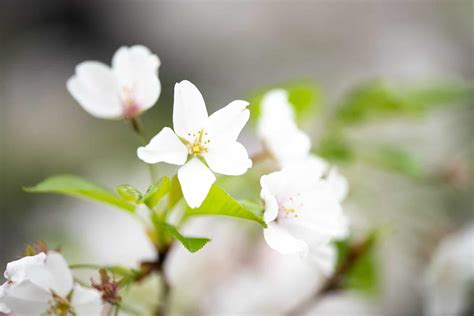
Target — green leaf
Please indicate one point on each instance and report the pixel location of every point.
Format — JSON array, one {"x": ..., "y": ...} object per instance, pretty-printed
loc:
[
  {"x": 218, "y": 202},
  {"x": 193, "y": 244},
  {"x": 175, "y": 193},
  {"x": 156, "y": 192},
  {"x": 305, "y": 97},
  {"x": 128, "y": 193},
  {"x": 78, "y": 187},
  {"x": 395, "y": 159},
  {"x": 378, "y": 99},
  {"x": 362, "y": 274}
]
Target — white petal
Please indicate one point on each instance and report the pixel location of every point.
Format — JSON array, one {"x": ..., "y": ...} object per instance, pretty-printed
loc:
[
  {"x": 230, "y": 159},
  {"x": 86, "y": 302},
  {"x": 226, "y": 124},
  {"x": 189, "y": 109},
  {"x": 17, "y": 270},
  {"x": 27, "y": 299},
  {"x": 271, "y": 186},
  {"x": 61, "y": 276},
  {"x": 325, "y": 257},
  {"x": 278, "y": 130},
  {"x": 54, "y": 274},
  {"x": 196, "y": 180},
  {"x": 3, "y": 307},
  {"x": 338, "y": 183},
  {"x": 95, "y": 87},
  {"x": 136, "y": 70},
  {"x": 166, "y": 147},
  {"x": 280, "y": 240},
  {"x": 288, "y": 146}
]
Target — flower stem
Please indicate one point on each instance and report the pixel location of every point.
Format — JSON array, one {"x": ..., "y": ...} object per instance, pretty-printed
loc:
[
  {"x": 162, "y": 309},
  {"x": 138, "y": 128}
]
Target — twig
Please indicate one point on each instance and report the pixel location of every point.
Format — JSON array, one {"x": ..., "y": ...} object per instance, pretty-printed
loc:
[{"x": 335, "y": 282}]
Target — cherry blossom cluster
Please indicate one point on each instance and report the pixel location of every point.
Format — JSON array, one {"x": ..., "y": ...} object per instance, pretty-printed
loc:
[{"x": 302, "y": 198}]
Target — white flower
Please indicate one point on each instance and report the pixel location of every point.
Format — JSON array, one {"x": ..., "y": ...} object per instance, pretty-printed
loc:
[
  {"x": 199, "y": 139},
  {"x": 303, "y": 214},
  {"x": 130, "y": 87},
  {"x": 278, "y": 130},
  {"x": 289, "y": 145},
  {"x": 450, "y": 275},
  {"x": 44, "y": 284}
]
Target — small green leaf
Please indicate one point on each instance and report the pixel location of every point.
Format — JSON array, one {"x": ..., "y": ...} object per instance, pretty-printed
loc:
[
  {"x": 128, "y": 193},
  {"x": 175, "y": 192},
  {"x": 78, "y": 187},
  {"x": 193, "y": 244},
  {"x": 395, "y": 159},
  {"x": 218, "y": 202},
  {"x": 156, "y": 192}
]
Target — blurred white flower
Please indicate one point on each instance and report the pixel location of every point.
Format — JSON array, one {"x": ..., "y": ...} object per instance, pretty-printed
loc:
[
  {"x": 278, "y": 130},
  {"x": 289, "y": 145},
  {"x": 124, "y": 90},
  {"x": 210, "y": 140},
  {"x": 303, "y": 214},
  {"x": 44, "y": 284},
  {"x": 450, "y": 275}
]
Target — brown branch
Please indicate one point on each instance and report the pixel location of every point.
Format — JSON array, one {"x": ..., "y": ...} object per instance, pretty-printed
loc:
[{"x": 336, "y": 281}]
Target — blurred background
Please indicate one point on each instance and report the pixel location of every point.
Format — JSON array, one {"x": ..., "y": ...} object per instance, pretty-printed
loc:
[{"x": 410, "y": 171}]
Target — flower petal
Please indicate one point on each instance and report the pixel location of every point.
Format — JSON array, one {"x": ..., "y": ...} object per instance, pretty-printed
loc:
[
  {"x": 280, "y": 240},
  {"x": 189, "y": 109},
  {"x": 226, "y": 124},
  {"x": 61, "y": 276},
  {"x": 95, "y": 87},
  {"x": 325, "y": 257},
  {"x": 3, "y": 307},
  {"x": 18, "y": 270},
  {"x": 54, "y": 274},
  {"x": 166, "y": 147},
  {"x": 278, "y": 130},
  {"x": 271, "y": 186},
  {"x": 196, "y": 180},
  {"x": 86, "y": 302},
  {"x": 26, "y": 298},
  {"x": 230, "y": 159},
  {"x": 136, "y": 70},
  {"x": 338, "y": 183}
]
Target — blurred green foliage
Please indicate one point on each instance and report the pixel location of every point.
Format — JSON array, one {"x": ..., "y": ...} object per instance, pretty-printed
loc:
[
  {"x": 305, "y": 97},
  {"x": 393, "y": 158},
  {"x": 378, "y": 99},
  {"x": 357, "y": 264}
]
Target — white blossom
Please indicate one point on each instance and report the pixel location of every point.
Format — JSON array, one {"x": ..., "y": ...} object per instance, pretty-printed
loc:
[
  {"x": 278, "y": 130},
  {"x": 124, "y": 90},
  {"x": 450, "y": 275},
  {"x": 288, "y": 144},
  {"x": 44, "y": 284},
  {"x": 303, "y": 214},
  {"x": 200, "y": 143}
]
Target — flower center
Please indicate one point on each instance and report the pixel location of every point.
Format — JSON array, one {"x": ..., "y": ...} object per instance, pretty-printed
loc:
[
  {"x": 130, "y": 106},
  {"x": 59, "y": 306},
  {"x": 200, "y": 143},
  {"x": 289, "y": 208}
]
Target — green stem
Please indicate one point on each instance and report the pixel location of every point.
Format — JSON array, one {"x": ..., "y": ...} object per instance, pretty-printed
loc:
[{"x": 138, "y": 128}]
